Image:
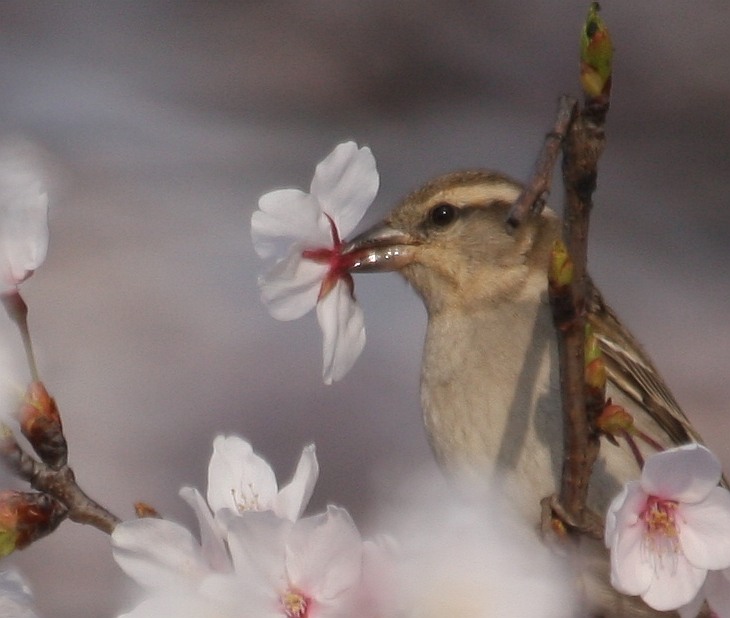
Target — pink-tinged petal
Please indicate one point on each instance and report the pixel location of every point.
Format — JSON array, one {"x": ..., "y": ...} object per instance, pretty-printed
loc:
[
  {"x": 211, "y": 535},
  {"x": 717, "y": 590},
  {"x": 285, "y": 217},
  {"x": 157, "y": 553},
  {"x": 293, "y": 499},
  {"x": 257, "y": 543},
  {"x": 624, "y": 510},
  {"x": 345, "y": 184},
  {"x": 632, "y": 571},
  {"x": 704, "y": 530},
  {"x": 324, "y": 554},
  {"x": 238, "y": 478},
  {"x": 291, "y": 288},
  {"x": 23, "y": 213},
  {"x": 343, "y": 332},
  {"x": 674, "y": 585},
  {"x": 686, "y": 473}
]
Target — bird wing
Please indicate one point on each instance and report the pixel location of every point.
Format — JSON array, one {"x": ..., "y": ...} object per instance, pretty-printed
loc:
[{"x": 631, "y": 370}]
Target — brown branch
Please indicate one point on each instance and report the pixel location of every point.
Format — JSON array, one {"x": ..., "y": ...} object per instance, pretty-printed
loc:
[
  {"x": 60, "y": 484},
  {"x": 582, "y": 148},
  {"x": 535, "y": 193}
]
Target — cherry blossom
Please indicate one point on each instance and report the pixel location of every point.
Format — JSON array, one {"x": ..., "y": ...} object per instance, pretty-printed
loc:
[
  {"x": 303, "y": 233},
  {"x": 241, "y": 480},
  {"x": 668, "y": 529},
  {"x": 23, "y": 214}
]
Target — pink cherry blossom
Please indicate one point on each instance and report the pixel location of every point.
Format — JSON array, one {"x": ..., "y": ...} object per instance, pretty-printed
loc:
[
  {"x": 668, "y": 529},
  {"x": 303, "y": 233}
]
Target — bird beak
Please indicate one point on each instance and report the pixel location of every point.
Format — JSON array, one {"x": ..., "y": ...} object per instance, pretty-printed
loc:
[{"x": 381, "y": 248}]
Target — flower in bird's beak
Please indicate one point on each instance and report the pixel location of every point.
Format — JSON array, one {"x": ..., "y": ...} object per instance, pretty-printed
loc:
[{"x": 303, "y": 233}]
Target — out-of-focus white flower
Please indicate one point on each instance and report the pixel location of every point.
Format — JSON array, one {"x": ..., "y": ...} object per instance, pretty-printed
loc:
[
  {"x": 16, "y": 600},
  {"x": 465, "y": 553},
  {"x": 23, "y": 214},
  {"x": 311, "y": 568},
  {"x": 303, "y": 232},
  {"x": 668, "y": 529},
  {"x": 255, "y": 557},
  {"x": 240, "y": 480},
  {"x": 716, "y": 591}
]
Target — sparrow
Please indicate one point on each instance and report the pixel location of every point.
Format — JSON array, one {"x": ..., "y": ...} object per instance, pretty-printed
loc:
[{"x": 490, "y": 390}]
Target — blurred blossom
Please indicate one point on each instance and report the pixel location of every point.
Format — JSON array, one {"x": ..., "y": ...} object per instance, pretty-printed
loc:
[
  {"x": 23, "y": 214},
  {"x": 668, "y": 529},
  {"x": 471, "y": 557},
  {"x": 16, "y": 600},
  {"x": 303, "y": 232},
  {"x": 255, "y": 556}
]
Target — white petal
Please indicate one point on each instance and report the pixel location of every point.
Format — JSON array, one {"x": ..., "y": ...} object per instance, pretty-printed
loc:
[
  {"x": 290, "y": 289},
  {"x": 157, "y": 553},
  {"x": 692, "y": 609},
  {"x": 238, "y": 479},
  {"x": 324, "y": 554},
  {"x": 705, "y": 530},
  {"x": 624, "y": 510},
  {"x": 285, "y": 217},
  {"x": 686, "y": 473},
  {"x": 213, "y": 547},
  {"x": 178, "y": 603},
  {"x": 345, "y": 184},
  {"x": 717, "y": 589},
  {"x": 343, "y": 332},
  {"x": 293, "y": 499},
  {"x": 257, "y": 543},
  {"x": 675, "y": 585},
  {"x": 631, "y": 573},
  {"x": 23, "y": 213}
]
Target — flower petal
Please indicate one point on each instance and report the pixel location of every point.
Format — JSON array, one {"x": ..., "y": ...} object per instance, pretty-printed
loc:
[
  {"x": 211, "y": 535},
  {"x": 293, "y": 499},
  {"x": 324, "y": 554},
  {"x": 717, "y": 589},
  {"x": 238, "y": 479},
  {"x": 291, "y": 288},
  {"x": 345, "y": 184},
  {"x": 631, "y": 572},
  {"x": 343, "y": 332},
  {"x": 686, "y": 473},
  {"x": 23, "y": 214},
  {"x": 675, "y": 585},
  {"x": 285, "y": 217},
  {"x": 157, "y": 553},
  {"x": 257, "y": 543},
  {"x": 705, "y": 530}
]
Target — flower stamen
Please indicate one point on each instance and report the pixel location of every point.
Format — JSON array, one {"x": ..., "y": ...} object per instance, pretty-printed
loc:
[
  {"x": 662, "y": 532},
  {"x": 295, "y": 604}
]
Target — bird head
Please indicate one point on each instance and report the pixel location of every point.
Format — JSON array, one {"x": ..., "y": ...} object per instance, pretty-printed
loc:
[{"x": 449, "y": 240}]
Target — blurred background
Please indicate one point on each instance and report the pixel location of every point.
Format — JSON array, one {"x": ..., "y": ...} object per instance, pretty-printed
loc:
[{"x": 164, "y": 121}]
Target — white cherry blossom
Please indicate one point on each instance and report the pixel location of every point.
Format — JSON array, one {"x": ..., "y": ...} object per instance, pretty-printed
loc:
[
  {"x": 23, "y": 214},
  {"x": 668, "y": 529},
  {"x": 303, "y": 233},
  {"x": 241, "y": 480}
]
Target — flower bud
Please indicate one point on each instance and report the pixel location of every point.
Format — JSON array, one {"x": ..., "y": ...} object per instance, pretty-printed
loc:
[
  {"x": 40, "y": 423},
  {"x": 615, "y": 420},
  {"x": 560, "y": 273},
  {"x": 596, "y": 54},
  {"x": 27, "y": 517}
]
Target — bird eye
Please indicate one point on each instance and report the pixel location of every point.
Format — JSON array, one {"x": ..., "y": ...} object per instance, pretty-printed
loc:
[{"x": 443, "y": 214}]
